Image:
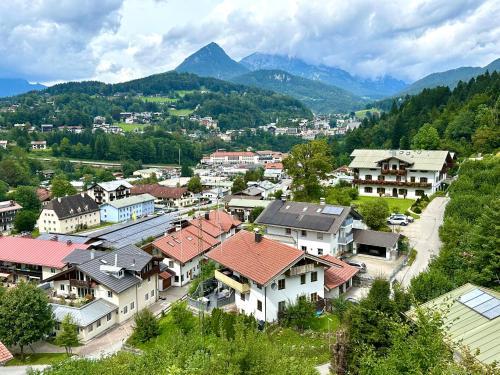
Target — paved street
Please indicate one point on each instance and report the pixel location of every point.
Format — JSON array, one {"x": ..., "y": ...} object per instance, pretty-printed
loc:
[{"x": 424, "y": 237}]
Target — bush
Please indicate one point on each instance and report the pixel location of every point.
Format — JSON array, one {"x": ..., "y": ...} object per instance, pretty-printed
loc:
[
  {"x": 417, "y": 210},
  {"x": 299, "y": 314},
  {"x": 146, "y": 326},
  {"x": 182, "y": 317},
  {"x": 412, "y": 256}
]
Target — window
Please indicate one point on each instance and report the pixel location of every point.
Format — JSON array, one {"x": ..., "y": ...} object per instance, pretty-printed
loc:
[
  {"x": 368, "y": 189},
  {"x": 62, "y": 287},
  {"x": 149, "y": 279},
  {"x": 242, "y": 296},
  {"x": 303, "y": 233},
  {"x": 302, "y": 279},
  {"x": 319, "y": 236},
  {"x": 125, "y": 309},
  {"x": 176, "y": 279},
  {"x": 132, "y": 305},
  {"x": 52, "y": 270},
  {"x": 110, "y": 294},
  {"x": 341, "y": 288},
  {"x": 259, "y": 305},
  {"x": 288, "y": 230},
  {"x": 91, "y": 328},
  {"x": 394, "y": 167},
  {"x": 380, "y": 190},
  {"x": 108, "y": 317},
  {"x": 146, "y": 296},
  {"x": 281, "y": 305},
  {"x": 412, "y": 178},
  {"x": 314, "y": 297},
  {"x": 152, "y": 293},
  {"x": 304, "y": 248},
  {"x": 314, "y": 276},
  {"x": 98, "y": 323},
  {"x": 368, "y": 177},
  {"x": 423, "y": 179},
  {"x": 381, "y": 178},
  {"x": 281, "y": 284},
  {"x": 320, "y": 251},
  {"x": 170, "y": 263}
]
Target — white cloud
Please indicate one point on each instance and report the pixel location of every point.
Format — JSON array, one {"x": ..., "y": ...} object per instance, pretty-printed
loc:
[{"x": 116, "y": 40}]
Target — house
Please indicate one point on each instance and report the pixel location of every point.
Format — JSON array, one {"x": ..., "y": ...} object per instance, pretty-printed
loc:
[
  {"x": 159, "y": 173},
  {"x": 8, "y": 211},
  {"x": 183, "y": 251},
  {"x": 31, "y": 259},
  {"x": 103, "y": 192},
  {"x": 273, "y": 171},
  {"x": 266, "y": 275},
  {"x": 217, "y": 223},
  {"x": 46, "y": 128},
  {"x": 5, "y": 355},
  {"x": 3, "y": 144},
  {"x": 69, "y": 214},
  {"x": 38, "y": 145},
  {"x": 471, "y": 318},
  {"x": 126, "y": 279},
  {"x": 400, "y": 173},
  {"x": 242, "y": 207},
  {"x": 264, "y": 189},
  {"x": 338, "y": 280},
  {"x": 215, "y": 193},
  {"x": 43, "y": 195},
  {"x": 124, "y": 209},
  {"x": 322, "y": 229},
  {"x": 168, "y": 196},
  {"x": 175, "y": 182},
  {"x": 231, "y": 158}
]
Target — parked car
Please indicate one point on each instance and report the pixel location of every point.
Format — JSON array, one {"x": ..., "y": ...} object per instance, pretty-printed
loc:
[
  {"x": 409, "y": 218},
  {"x": 360, "y": 265},
  {"x": 398, "y": 220}
]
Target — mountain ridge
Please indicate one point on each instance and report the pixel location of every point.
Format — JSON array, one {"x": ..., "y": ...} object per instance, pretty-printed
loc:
[{"x": 17, "y": 86}]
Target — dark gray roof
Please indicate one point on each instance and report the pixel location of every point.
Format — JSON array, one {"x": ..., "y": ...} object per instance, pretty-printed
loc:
[
  {"x": 72, "y": 205},
  {"x": 375, "y": 238},
  {"x": 131, "y": 258},
  {"x": 305, "y": 215},
  {"x": 86, "y": 314},
  {"x": 63, "y": 237},
  {"x": 79, "y": 256}
]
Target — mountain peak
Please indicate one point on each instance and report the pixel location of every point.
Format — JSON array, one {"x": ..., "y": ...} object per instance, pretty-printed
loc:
[{"x": 211, "y": 61}]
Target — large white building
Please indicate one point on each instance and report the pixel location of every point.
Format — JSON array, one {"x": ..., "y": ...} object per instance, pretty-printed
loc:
[
  {"x": 400, "y": 173},
  {"x": 231, "y": 158},
  {"x": 110, "y": 191},
  {"x": 266, "y": 275}
]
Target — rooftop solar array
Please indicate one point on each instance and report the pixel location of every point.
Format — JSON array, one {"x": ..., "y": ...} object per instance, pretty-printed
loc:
[
  {"x": 482, "y": 303},
  {"x": 332, "y": 210}
]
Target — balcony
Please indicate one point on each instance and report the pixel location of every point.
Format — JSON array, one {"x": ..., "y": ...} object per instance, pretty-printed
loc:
[
  {"x": 347, "y": 222},
  {"x": 226, "y": 277},
  {"x": 358, "y": 181},
  {"x": 344, "y": 240},
  {"x": 300, "y": 270},
  {"x": 154, "y": 270},
  {"x": 21, "y": 271},
  {"x": 395, "y": 172},
  {"x": 79, "y": 283}
]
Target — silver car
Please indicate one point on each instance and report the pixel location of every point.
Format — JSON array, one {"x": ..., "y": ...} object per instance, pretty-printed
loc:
[{"x": 398, "y": 220}]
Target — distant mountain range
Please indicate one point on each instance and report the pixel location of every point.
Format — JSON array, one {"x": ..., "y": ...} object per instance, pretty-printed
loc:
[
  {"x": 16, "y": 86},
  {"x": 319, "y": 97},
  {"x": 449, "y": 78}
]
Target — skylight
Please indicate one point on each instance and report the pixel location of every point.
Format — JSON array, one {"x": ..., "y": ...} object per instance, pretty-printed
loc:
[{"x": 481, "y": 302}]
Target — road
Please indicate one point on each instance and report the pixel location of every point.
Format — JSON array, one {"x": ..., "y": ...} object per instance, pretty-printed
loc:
[{"x": 424, "y": 237}]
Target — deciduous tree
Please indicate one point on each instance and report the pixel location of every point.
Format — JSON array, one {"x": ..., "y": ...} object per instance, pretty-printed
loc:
[{"x": 68, "y": 336}]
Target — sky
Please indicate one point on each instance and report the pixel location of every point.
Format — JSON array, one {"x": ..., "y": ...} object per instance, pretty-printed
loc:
[{"x": 52, "y": 41}]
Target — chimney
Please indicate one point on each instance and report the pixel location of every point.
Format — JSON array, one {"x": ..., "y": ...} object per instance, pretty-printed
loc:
[
  {"x": 92, "y": 254},
  {"x": 258, "y": 235},
  {"x": 116, "y": 260},
  {"x": 283, "y": 197},
  {"x": 322, "y": 201},
  {"x": 68, "y": 242},
  {"x": 177, "y": 227},
  {"x": 207, "y": 215}
]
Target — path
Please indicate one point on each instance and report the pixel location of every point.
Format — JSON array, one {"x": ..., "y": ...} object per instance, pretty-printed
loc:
[
  {"x": 19, "y": 370},
  {"x": 424, "y": 237}
]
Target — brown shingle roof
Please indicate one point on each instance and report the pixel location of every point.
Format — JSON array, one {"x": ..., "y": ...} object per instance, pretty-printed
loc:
[{"x": 159, "y": 191}]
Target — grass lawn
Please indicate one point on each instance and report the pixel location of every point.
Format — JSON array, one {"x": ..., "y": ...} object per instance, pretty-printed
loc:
[
  {"x": 37, "y": 359},
  {"x": 159, "y": 99},
  {"x": 180, "y": 112},
  {"x": 395, "y": 204},
  {"x": 130, "y": 127},
  {"x": 362, "y": 114}
]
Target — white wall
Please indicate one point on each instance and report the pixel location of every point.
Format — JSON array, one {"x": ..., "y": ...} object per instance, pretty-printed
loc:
[{"x": 193, "y": 265}]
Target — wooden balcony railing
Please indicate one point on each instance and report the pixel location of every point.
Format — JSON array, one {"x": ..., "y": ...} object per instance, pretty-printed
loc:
[
  {"x": 396, "y": 172},
  {"x": 232, "y": 283},
  {"x": 300, "y": 270},
  {"x": 79, "y": 283},
  {"x": 392, "y": 183},
  {"x": 151, "y": 272}
]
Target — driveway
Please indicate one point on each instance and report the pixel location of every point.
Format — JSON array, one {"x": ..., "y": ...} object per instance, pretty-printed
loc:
[{"x": 424, "y": 237}]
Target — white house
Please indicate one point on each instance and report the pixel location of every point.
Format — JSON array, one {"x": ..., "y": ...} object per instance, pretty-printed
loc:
[
  {"x": 231, "y": 158},
  {"x": 132, "y": 207},
  {"x": 103, "y": 192},
  {"x": 266, "y": 275},
  {"x": 400, "y": 173},
  {"x": 38, "y": 145},
  {"x": 8, "y": 212}
]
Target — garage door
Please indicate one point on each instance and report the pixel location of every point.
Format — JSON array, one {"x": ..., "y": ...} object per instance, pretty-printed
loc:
[{"x": 371, "y": 250}]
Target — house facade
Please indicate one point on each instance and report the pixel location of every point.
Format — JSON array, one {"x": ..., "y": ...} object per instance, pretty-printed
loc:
[
  {"x": 8, "y": 211},
  {"x": 110, "y": 191},
  {"x": 231, "y": 158},
  {"x": 266, "y": 275},
  {"x": 133, "y": 207},
  {"x": 400, "y": 173},
  {"x": 38, "y": 145},
  {"x": 169, "y": 196},
  {"x": 69, "y": 214}
]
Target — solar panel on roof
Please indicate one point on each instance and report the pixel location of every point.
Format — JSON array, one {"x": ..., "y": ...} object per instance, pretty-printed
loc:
[
  {"x": 332, "y": 210},
  {"x": 481, "y": 302}
]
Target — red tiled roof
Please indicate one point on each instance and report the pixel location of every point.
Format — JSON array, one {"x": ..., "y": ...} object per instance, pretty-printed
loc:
[
  {"x": 35, "y": 252},
  {"x": 43, "y": 194},
  {"x": 336, "y": 276},
  {"x": 220, "y": 154},
  {"x": 274, "y": 166},
  {"x": 258, "y": 261},
  {"x": 159, "y": 191},
  {"x": 185, "y": 244},
  {"x": 5, "y": 355},
  {"x": 165, "y": 275},
  {"x": 219, "y": 222}
]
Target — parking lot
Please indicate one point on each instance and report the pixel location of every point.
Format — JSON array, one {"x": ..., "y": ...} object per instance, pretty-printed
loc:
[{"x": 376, "y": 266}]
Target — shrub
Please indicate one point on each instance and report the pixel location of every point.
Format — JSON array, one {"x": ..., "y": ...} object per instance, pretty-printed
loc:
[
  {"x": 182, "y": 317},
  {"x": 146, "y": 326},
  {"x": 417, "y": 210},
  {"x": 299, "y": 314}
]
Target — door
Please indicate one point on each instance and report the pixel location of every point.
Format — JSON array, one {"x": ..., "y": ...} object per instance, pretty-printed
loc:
[{"x": 394, "y": 192}]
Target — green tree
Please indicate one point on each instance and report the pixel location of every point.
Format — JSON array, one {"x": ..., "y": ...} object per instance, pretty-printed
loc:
[
  {"x": 146, "y": 326},
  {"x": 194, "y": 185},
  {"x": 186, "y": 171},
  {"x": 25, "y": 316},
  {"x": 68, "y": 336},
  {"x": 307, "y": 164},
  {"x": 277, "y": 194},
  {"x": 25, "y": 220},
  {"x": 27, "y": 198},
  {"x": 130, "y": 166},
  {"x": 375, "y": 213},
  {"x": 4, "y": 189},
  {"x": 427, "y": 138},
  {"x": 238, "y": 185},
  {"x": 256, "y": 174},
  {"x": 254, "y": 214},
  {"x": 60, "y": 187},
  {"x": 298, "y": 314},
  {"x": 13, "y": 172},
  {"x": 104, "y": 175},
  {"x": 182, "y": 317},
  {"x": 430, "y": 284}
]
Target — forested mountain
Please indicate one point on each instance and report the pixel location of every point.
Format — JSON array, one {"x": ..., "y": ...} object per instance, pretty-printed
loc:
[
  {"x": 374, "y": 89},
  {"x": 211, "y": 61},
  {"x": 16, "y": 86},
  {"x": 450, "y": 78},
  {"x": 317, "y": 96},
  {"x": 77, "y": 103},
  {"x": 464, "y": 120}
]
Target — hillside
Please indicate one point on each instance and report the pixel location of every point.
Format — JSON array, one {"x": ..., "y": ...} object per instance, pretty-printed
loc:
[
  {"x": 16, "y": 86},
  {"x": 373, "y": 89},
  {"x": 317, "y": 96},
  {"x": 211, "y": 61},
  {"x": 449, "y": 78}
]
